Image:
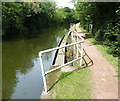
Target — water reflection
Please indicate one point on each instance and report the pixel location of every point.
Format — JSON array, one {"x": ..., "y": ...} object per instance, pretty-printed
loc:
[
  {"x": 28, "y": 83},
  {"x": 21, "y": 68}
]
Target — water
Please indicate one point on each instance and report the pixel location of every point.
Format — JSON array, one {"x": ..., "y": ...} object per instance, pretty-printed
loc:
[{"x": 22, "y": 77}]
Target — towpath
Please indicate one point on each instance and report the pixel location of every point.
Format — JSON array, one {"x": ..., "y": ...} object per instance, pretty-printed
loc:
[{"x": 104, "y": 81}]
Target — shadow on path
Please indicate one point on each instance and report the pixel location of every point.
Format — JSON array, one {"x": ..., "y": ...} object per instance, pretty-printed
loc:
[{"x": 88, "y": 61}]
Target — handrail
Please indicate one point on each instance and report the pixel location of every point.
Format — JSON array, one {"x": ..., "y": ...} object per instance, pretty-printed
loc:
[
  {"x": 48, "y": 50},
  {"x": 62, "y": 65}
]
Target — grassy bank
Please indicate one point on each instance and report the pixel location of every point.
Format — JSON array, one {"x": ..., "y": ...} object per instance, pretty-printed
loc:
[{"x": 73, "y": 85}]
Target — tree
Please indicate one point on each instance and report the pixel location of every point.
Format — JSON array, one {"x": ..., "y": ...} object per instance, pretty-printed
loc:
[{"x": 105, "y": 19}]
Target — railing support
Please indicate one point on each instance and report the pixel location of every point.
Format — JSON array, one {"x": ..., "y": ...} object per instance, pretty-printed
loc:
[
  {"x": 62, "y": 65},
  {"x": 81, "y": 53},
  {"x": 43, "y": 73},
  {"x": 72, "y": 44},
  {"x": 77, "y": 48}
]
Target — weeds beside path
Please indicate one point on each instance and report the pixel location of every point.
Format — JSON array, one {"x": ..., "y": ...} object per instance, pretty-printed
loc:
[{"x": 105, "y": 82}]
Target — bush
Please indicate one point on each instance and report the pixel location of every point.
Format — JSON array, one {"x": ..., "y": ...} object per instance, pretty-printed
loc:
[{"x": 105, "y": 18}]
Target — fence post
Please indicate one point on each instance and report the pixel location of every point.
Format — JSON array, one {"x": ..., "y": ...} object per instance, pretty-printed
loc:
[
  {"x": 77, "y": 47},
  {"x": 74, "y": 41},
  {"x": 81, "y": 54},
  {"x": 90, "y": 28},
  {"x": 43, "y": 73}
]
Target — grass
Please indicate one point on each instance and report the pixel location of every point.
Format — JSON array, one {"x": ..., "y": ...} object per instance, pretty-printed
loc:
[
  {"x": 75, "y": 85},
  {"x": 71, "y": 85}
]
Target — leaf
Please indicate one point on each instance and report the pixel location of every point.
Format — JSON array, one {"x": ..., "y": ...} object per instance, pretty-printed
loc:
[{"x": 103, "y": 79}]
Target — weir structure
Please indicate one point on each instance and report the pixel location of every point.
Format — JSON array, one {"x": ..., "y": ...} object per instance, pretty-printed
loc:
[{"x": 77, "y": 42}]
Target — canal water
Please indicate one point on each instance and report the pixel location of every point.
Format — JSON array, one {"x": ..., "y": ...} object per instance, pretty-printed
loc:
[{"x": 22, "y": 77}]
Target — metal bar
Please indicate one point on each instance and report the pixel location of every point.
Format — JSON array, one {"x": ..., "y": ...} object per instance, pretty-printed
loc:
[
  {"x": 69, "y": 32},
  {"x": 43, "y": 73},
  {"x": 48, "y": 50},
  {"x": 81, "y": 51},
  {"x": 77, "y": 44},
  {"x": 62, "y": 65},
  {"x": 77, "y": 47},
  {"x": 64, "y": 45},
  {"x": 78, "y": 34},
  {"x": 81, "y": 54},
  {"x": 74, "y": 40},
  {"x": 80, "y": 37}
]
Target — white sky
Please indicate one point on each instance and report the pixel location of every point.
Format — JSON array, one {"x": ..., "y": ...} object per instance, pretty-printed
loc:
[{"x": 64, "y": 3}]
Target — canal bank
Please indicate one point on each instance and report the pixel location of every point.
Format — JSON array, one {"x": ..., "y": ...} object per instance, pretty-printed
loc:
[
  {"x": 53, "y": 77},
  {"x": 67, "y": 76}
]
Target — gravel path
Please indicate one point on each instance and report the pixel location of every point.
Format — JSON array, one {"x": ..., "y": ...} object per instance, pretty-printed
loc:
[{"x": 104, "y": 82}]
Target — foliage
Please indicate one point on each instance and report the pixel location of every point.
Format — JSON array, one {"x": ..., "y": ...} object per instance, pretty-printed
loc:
[
  {"x": 42, "y": 15},
  {"x": 31, "y": 15},
  {"x": 69, "y": 50},
  {"x": 69, "y": 15},
  {"x": 22, "y": 16},
  {"x": 66, "y": 15},
  {"x": 12, "y": 18},
  {"x": 105, "y": 18}
]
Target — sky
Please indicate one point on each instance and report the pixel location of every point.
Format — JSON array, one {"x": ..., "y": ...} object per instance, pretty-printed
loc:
[{"x": 64, "y": 3}]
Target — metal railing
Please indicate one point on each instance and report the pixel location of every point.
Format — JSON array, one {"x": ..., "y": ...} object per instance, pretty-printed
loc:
[{"x": 74, "y": 33}]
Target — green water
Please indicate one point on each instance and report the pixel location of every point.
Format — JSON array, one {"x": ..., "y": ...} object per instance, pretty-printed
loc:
[{"x": 21, "y": 70}]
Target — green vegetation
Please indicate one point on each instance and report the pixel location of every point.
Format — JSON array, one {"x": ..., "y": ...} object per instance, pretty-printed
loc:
[
  {"x": 69, "y": 50},
  {"x": 66, "y": 15},
  {"x": 23, "y": 16},
  {"x": 83, "y": 30},
  {"x": 69, "y": 54},
  {"x": 73, "y": 85},
  {"x": 103, "y": 49},
  {"x": 105, "y": 18},
  {"x": 19, "y": 17}
]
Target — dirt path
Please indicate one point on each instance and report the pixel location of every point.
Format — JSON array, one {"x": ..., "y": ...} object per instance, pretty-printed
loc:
[{"x": 104, "y": 82}]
